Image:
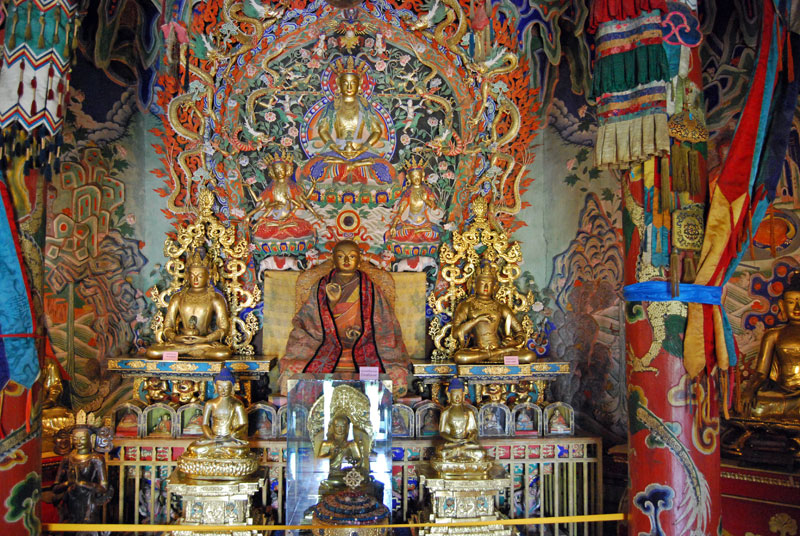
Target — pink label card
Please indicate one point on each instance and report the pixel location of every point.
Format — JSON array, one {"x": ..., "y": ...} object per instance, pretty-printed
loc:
[
  {"x": 170, "y": 356},
  {"x": 511, "y": 360},
  {"x": 368, "y": 373}
]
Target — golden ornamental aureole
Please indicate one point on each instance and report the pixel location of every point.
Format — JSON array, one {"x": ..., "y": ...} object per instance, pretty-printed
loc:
[{"x": 200, "y": 322}]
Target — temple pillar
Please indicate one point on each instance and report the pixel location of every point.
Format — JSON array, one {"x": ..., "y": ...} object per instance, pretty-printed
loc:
[
  {"x": 651, "y": 129},
  {"x": 673, "y": 447}
]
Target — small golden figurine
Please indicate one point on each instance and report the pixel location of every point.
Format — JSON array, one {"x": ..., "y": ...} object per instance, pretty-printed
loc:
[
  {"x": 156, "y": 390},
  {"x": 478, "y": 319},
  {"x": 54, "y": 415},
  {"x": 53, "y": 386},
  {"x": 340, "y": 452},
  {"x": 224, "y": 453},
  {"x": 778, "y": 362},
  {"x": 190, "y": 316},
  {"x": 347, "y": 458},
  {"x": 460, "y": 456},
  {"x": 188, "y": 392}
]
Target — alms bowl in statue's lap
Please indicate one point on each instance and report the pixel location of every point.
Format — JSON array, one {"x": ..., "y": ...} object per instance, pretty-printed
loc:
[
  {"x": 202, "y": 468},
  {"x": 461, "y": 470}
]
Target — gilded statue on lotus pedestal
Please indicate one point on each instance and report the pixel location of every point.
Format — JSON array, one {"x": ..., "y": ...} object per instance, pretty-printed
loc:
[
  {"x": 482, "y": 301},
  {"x": 459, "y": 456},
  {"x": 224, "y": 452},
  {"x": 487, "y": 330},
  {"x": 350, "y": 132},
  {"x": 207, "y": 310},
  {"x": 196, "y": 319}
]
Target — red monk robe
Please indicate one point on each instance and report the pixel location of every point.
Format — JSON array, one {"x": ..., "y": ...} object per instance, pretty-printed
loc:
[{"x": 360, "y": 330}]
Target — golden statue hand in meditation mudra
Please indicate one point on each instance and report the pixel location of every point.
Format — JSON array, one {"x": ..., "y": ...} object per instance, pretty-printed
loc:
[
  {"x": 459, "y": 456},
  {"x": 350, "y": 131},
  {"x": 224, "y": 452},
  {"x": 774, "y": 391},
  {"x": 486, "y": 329},
  {"x": 196, "y": 319}
]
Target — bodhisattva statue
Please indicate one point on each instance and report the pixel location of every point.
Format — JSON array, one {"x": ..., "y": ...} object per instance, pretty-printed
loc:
[
  {"x": 459, "y": 456},
  {"x": 343, "y": 455},
  {"x": 487, "y": 330},
  {"x": 81, "y": 486},
  {"x": 774, "y": 391},
  {"x": 350, "y": 130},
  {"x": 416, "y": 210},
  {"x": 345, "y": 324},
  {"x": 224, "y": 453},
  {"x": 277, "y": 205},
  {"x": 196, "y": 320}
]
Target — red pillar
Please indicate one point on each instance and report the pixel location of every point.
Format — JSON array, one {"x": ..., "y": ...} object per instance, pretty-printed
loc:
[{"x": 673, "y": 441}]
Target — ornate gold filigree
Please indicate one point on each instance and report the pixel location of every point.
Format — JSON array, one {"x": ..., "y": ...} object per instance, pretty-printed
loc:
[
  {"x": 227, "y": 258},
  {"x": 482, "y": 243}
]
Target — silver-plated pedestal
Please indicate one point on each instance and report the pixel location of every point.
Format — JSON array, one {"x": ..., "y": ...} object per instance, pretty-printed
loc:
[
  {"x": 207, "y": 502},
  {"x": 453, "y": 501}
]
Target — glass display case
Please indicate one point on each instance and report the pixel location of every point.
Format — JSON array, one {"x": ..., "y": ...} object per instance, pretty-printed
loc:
[{"x": 342, "y": 441}]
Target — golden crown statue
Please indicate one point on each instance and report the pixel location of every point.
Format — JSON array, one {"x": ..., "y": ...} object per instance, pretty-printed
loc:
[
  {"x": 226, "y": 261},
  {"x": 482, "y": 249}
]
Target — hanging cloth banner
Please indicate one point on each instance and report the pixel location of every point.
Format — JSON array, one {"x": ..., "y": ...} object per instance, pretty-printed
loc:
[
  {"x": 38, "y": 47},
  {"x": 745, "y": 188},
  {"x": 19, "y": 361}
]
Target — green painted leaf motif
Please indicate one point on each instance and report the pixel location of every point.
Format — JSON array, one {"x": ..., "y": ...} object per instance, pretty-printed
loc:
[{"x": 21, "y": 503}]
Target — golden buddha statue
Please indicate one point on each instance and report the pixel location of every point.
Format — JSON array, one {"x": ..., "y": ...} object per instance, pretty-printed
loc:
[
  {"x": 459, "y": 456},
  {"x": 477, "y": 321},
  {"x": 190, "y": 315},
  {"x": 224, "y": 453},
  {"x": 350, "y": 131},
  {"x": 774, "y": 391},
  {"x": 344, "y": 455}
]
